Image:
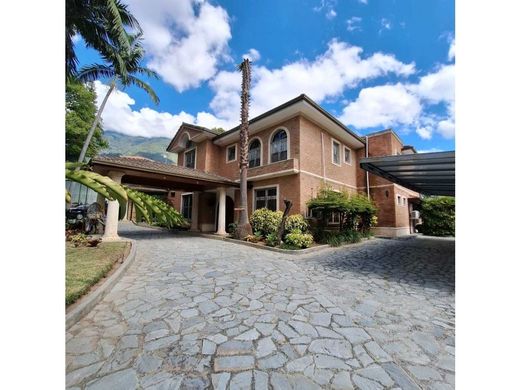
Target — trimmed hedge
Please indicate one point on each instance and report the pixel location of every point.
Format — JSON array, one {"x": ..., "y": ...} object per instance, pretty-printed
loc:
[{"x": 438, "y": 215}]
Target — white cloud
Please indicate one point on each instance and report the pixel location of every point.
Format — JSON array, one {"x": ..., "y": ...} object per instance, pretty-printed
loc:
[
  {"x": 363, "y": 1},
  {"x": 425, "y": 132},
  {"x": 119, "y": 116},
  {"x": 353, "y": 24},
  {"x": 185, "y": 39},
  {"x": 451, "y": 52},
  {"x": 438, "y": 86},
  {"x": 331, "y": 14},
  {"x": 326, "y": 77},
  {"x": 404, "y": 104},
  {"x": 384, "y": 105},
  {"x": 447, "y": 128},
  {"x": 385, "y": 24},
  {"x": 432, "y": 150},
  {"x": 252, "y": 54}
]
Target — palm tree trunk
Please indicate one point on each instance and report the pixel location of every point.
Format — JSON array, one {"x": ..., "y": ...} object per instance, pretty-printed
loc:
[
  {"x": 96, "y": 121},
  {"x": 244, "y": 227}
]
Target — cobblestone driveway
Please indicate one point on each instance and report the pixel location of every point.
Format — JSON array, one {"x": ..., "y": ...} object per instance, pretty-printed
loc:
[{"x": 194, "y": 313}]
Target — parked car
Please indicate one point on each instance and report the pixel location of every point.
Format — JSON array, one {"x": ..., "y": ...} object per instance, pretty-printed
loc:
[{"x": 84, "y": 217}]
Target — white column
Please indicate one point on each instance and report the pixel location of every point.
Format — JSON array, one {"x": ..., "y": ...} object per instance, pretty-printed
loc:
[
  {"x": 112, "y": 212},
  {"x": 221, "y": 192},
  {"x": 195, "y": 212}
]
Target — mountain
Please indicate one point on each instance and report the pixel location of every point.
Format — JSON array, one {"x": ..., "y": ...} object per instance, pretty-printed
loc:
[{"x": 126, "y": 145}]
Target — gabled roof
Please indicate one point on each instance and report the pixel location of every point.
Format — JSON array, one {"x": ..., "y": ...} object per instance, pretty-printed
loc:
[
  {"x": 210, "y": 133},
  {"x": 298, "y": 99}
]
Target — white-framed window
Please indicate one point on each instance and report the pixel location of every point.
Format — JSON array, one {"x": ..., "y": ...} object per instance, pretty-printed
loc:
[
  {"x": 266, "y": 197},
  {"x": 231, "y": 153},
  {"x": 399, "y": 199},
  {"x": 278, "y": 148},
  {"x": 404, "y": 201},
  {"x": 347, "y": 155},
  {"x": 336, "y": 150},
  {"x": 255, "y": 153},
  {"x": 190, "y": 155},
  {"x": 334, "y": 218},
  {"x": 186, "y": 205}
]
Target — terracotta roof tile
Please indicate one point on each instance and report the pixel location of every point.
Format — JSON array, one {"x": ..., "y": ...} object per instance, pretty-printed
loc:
[{"x": 157, "y": 167}]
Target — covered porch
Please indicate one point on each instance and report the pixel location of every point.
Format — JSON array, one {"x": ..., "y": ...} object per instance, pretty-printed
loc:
[{"x": 205, "y": 199}]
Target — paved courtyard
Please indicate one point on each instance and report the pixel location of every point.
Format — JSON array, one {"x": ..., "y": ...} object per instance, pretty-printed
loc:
[{"x": 196, "y": 313}]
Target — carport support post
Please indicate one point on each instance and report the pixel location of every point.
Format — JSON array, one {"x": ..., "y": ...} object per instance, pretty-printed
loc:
[
  {"x": 112, "y": 212},
  {"x": 221, "y": 227},
  {"x": 195, "y": 212}
]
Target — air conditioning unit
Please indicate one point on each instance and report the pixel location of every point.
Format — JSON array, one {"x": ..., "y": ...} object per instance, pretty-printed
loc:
[{"x": 415, "y": 214}]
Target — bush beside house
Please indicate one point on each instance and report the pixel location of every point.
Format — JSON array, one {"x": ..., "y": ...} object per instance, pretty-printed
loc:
[{"x": 438, "y": 215}]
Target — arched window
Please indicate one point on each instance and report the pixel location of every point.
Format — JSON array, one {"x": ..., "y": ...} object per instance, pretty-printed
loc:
[
  {"x": 279, "y": 146},
  {"x": 255, "y": 150}
]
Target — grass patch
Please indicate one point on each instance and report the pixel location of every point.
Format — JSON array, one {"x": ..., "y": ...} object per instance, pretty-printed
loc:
[{"x": 86, "y": 266}]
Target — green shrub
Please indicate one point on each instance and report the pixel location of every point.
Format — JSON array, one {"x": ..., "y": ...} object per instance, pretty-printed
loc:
[
  {"x": 79, "y": 239},
  {"x": 438, "y": 215},
  {"x": 296, "y": 222},
  {"x": 265, "y": 221},
  {"x": 271, "y": 239},
  {"x": 299, "y": 239}
]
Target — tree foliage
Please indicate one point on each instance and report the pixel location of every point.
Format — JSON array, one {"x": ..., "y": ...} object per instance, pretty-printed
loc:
[
  {"x": 101, "y": 23},
  {"x": 80, "y": 111},
  {"x": 148, "y": 208},
  {"x": 356, "y": 210},
  {"x": 438, "y": 215}
]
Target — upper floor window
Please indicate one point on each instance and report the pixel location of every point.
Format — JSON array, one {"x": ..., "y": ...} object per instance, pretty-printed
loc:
[
  {"x": 231, "y": 154},
  {"x": 335, "y": 152},
  {"x": 189, "y": 158},
  {"x": 347, "y": 153},
  {"x": 398, "y": 199},
  {"x": 279, "y": 146},
  {"x": 255, "y": 150}
]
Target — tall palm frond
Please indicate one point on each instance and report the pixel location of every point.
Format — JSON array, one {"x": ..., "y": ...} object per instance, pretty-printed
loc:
[
  {"x": 144, "y": 86},
  {"x": 95, "y": 72}
]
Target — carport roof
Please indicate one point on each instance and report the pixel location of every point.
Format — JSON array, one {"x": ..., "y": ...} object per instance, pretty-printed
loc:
[
  {"x": 143, "y": 171},
  {"x": 427, "y": 173}
]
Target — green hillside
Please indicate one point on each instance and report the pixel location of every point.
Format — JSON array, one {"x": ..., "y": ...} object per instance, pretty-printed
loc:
[{"x": 125, "y": 145}]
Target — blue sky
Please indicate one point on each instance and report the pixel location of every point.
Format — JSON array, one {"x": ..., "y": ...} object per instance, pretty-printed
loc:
[{"x": 373, "y": 64}]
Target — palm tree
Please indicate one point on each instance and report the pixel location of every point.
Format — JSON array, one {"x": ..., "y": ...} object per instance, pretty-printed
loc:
[
  {"x": 101, "y": 23},
  {"x": 244, "y": 227},
  {"x": 124, "y": 64}
]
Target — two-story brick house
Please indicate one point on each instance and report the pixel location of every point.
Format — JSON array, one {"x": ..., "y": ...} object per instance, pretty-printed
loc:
[{"x": 293, "y": 150}]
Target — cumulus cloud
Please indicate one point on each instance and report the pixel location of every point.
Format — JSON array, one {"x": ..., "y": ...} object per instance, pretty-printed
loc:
[
  {"x": 425, "y": 132},
  {"x": 331, "y": 14},
  {"x": 353, "y": 24},
  {"x": 252, "y": 54},
  {"x": 325, "y": 77},
  {"x": 120, "y": 116},
  {"x": 384, "y": 105},
  {"x": 404, "y": 104},
  {"x": 451, "y": 52},
  {"x": 432, "y": 150},
  {"x": 185, "y": 39},
  {"x": 385, "y": 24}
]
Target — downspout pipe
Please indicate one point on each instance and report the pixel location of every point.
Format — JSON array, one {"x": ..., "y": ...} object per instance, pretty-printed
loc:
[{"x": 366, "y": 172}]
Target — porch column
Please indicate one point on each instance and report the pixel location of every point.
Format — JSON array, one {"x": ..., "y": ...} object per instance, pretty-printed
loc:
[
  {"x": 195, "y": 212},
  {"x": 112, "y": 212},
  {"x": 221, "y": 191}
]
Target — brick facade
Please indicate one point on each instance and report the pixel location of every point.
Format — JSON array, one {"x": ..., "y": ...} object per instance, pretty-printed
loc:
[{"x": 309, "y": 165}]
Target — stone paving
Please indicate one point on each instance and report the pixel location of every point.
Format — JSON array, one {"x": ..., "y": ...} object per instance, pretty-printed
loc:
[{"x": 196, "y": 313}]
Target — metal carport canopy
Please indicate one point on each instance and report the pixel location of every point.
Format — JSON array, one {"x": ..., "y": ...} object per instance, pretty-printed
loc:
[{"x": 427, "y": 173}]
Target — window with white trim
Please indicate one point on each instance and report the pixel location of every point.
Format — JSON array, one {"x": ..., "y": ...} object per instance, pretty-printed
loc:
[
  {"x": 266, "y": 197},
  {"x": 347, "y": 155},
  {"x": 398, "y": 199},
  {"x": 231, "y": 153},
  {"x": 279, "y": 146},
  {"x": 335, "y": 153},
  {"x": 255, "y": 150},
  {"x": 334, "y": 217}
]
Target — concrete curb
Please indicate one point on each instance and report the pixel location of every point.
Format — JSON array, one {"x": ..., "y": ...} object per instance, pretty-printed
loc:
[{"x": 90, "y": 300}]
